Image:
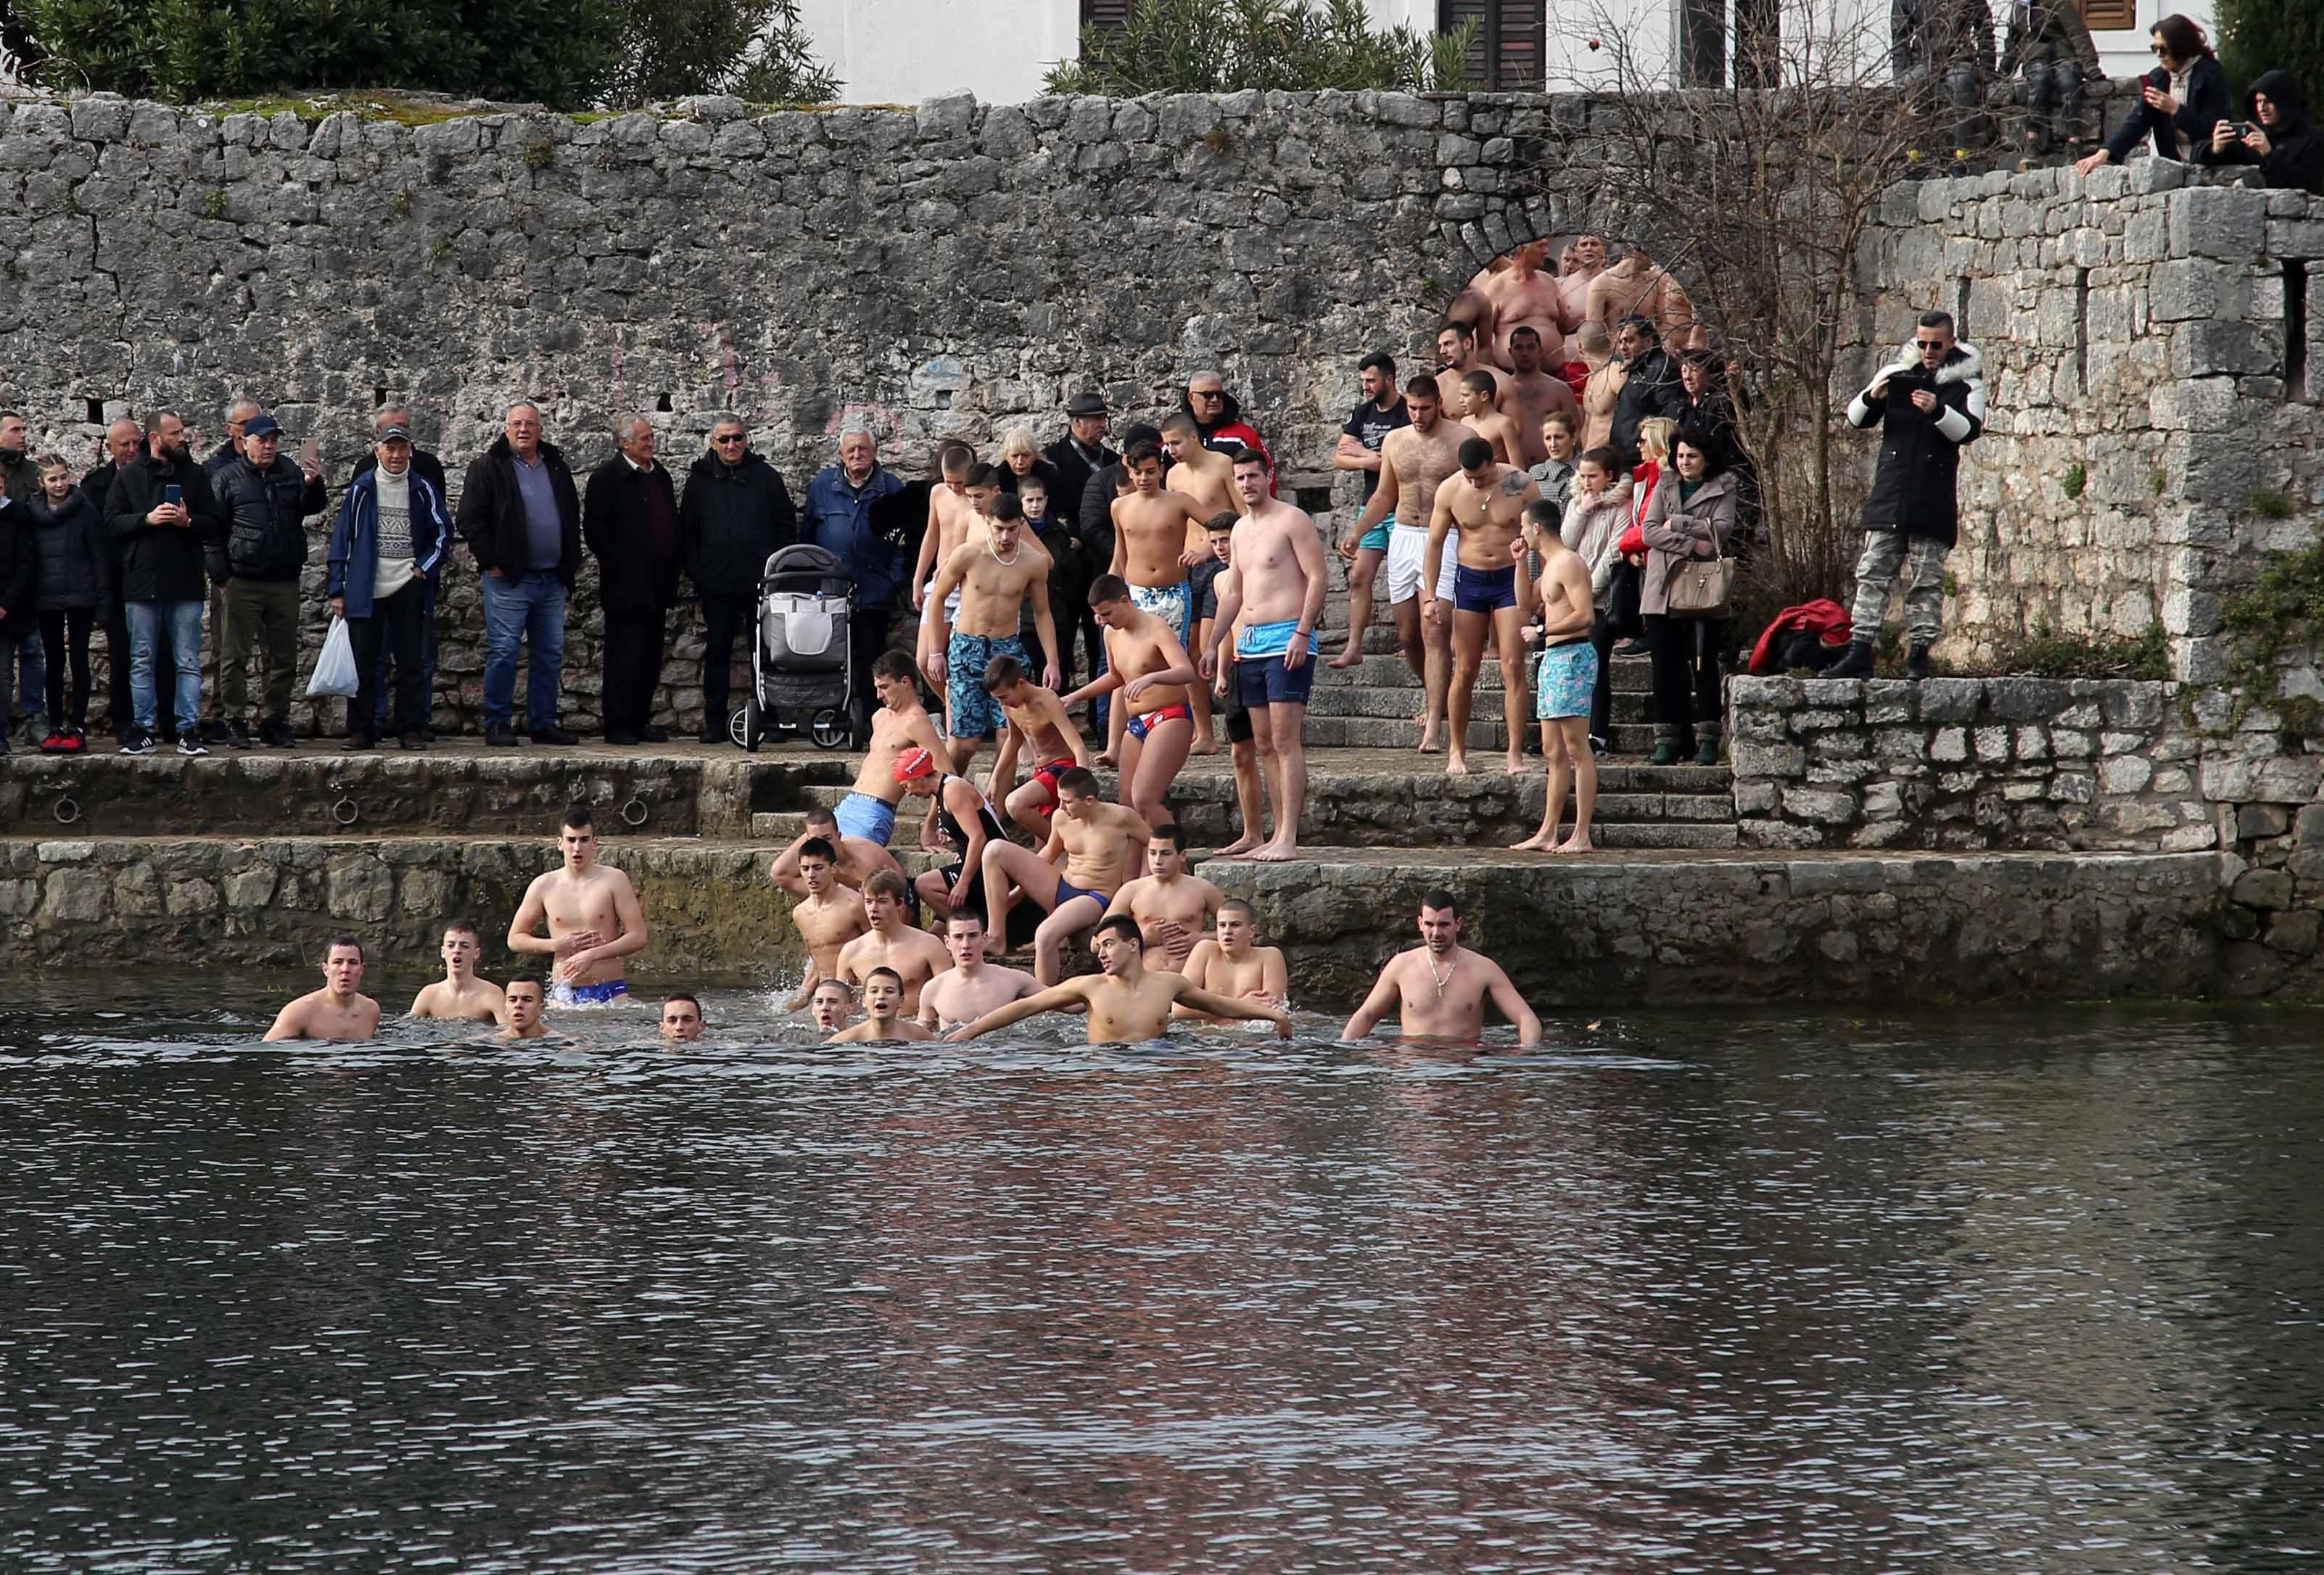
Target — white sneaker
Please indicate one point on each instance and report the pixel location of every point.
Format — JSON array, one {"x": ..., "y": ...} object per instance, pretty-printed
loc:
[{"x": 188, "y": 745}]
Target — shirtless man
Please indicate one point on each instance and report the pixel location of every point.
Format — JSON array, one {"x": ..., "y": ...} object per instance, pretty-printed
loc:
[
  {"x": 681, "y": 1019},
  {"x": 1438, "y": 989},
  {"x": 1637, "y": 286},
  {"x": 1170, "y": 906},
  {"x": 1273, "y": 589},
  {"x": 1414, "y": 463},
  {"x": 995, "y": 579},
  {"x": 915, "y": 955},
  {"x": 1154, "y": 673},
  {"x": 883, "y": 1019},
  {"x": 859, "y": 858},
  {"x": 1456, "y": 358},
  {"x": 970, "y": 987},
  {"x": 1534, "y": 394},
  {"x": 1481, "y": 412},
  {"x": 968, "y": 821},
  {"x": 335, "y": 1012},
  {"x": 1574, "y": 284},
  {"x": 1101, "y": 845},
  {"x": 1478, "y": 514},
  {"x": 526, "y": 997},
  {"x": 1230, "y": 964},
  {"x": 1204, "y": 474},
  {"x": 1569, "y": 676},
  {"x": 1128, "y": 1004},
  {"x": 949, "y": 513},
  {"x": 832, "y": 1004},
  {"x": 1151, "y": 535},
  {"x": 593, "y": 919},
  {"x": 1038, "y": 729},
  {"x": 868, "y": 810},
  {"x": 1524, "y": 297},
  {"x": 460, "y": 993},
  {"x": 828, "y": 914}
]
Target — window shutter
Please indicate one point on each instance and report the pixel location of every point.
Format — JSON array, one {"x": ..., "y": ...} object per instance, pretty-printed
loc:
[
  {"x": 1107, "y": 15},
  {"x": 2110, "y": 16},
  {"x": 1510, "y": 52}
]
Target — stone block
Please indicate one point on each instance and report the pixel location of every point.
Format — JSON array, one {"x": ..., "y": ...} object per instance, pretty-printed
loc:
[
  {"x": 2122, "y": 774},
  {"x": 2253, "y": 821},
  {"x": 1822, "y": 806},
  {"x": 1950, "y": 744},
  {"x": 2209, "y": 348},
  {"x": 1949, "y": 699},
  {"x": 2294, "y": 932},
  {"x": 2201, "y": 404},
  {"x": 189, "y": 899},
  {"x": 2214, "y": 221},
  {"x": 1758, "y": 760},
  {"x": 76, "y": 896},
  {"x": 2263, "y": 888},
  {"x": 2308, "y": 827}
]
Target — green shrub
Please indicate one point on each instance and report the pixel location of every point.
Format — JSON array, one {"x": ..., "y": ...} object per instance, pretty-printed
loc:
[
  {"x": 2047, "y": 654},
  {"x": 2280, "y": 614},
  {"x": 2072, "y": 482},
  {"x": 1224, "y": 46},
  {"x": 2268, "y": 504},
  {"x": 2259, "y": 36}
]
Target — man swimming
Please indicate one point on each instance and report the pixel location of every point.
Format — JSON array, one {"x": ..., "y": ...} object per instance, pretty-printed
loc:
[
  {"x": 681, "y": 1019},
  {"x": 868, "y": 810},
  {"x": 337, "y": 1010},
  {"x": 460, "y": 993},
  {"x": 1438, "y": 989},
  {"x": 593, "y": 916},
  {"x": 832, "y": 1003},
  {"x": 858, "y": 858},
  {"x": 827, "y": 914},
  {"x": 883, "y": 1008},
  {"x": 1233, "y": 965},
  {"x": 525, "y": 997},
  {"x": 915, "y": 957},
  {"x": 1128, "y": 1003},
  {"x": 970, "y": 987},
  {"x": 1101, "y": 845},
  {"x": 1170, "y": 906}
]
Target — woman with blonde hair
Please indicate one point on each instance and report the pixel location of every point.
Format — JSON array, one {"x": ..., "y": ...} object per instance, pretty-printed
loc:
[
  {"x": 1021, "y": 456},
  {"x": 1655, "y": 452}
]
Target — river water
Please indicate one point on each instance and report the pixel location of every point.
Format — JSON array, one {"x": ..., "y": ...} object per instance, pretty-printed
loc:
[{"x": 1705, "y": 1291}]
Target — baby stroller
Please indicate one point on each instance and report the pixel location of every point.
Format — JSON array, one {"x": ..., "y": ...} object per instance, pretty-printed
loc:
[{"x": 799, "y": 661}]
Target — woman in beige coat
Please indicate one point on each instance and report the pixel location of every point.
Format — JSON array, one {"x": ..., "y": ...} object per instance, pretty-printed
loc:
[{"x": 1692, "y": 516}]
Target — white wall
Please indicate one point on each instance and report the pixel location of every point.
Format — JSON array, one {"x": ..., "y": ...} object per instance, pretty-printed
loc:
[
  {"x": 2125, "y": 53},
  {"x": 900, "y": 52}
]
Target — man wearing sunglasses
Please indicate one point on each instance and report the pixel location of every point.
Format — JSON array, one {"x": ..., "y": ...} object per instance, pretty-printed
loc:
[
  {"x": 1928, "y": 405},
  {"x": 1218, "y": 417},
  {"x": 737, "y": 514}
]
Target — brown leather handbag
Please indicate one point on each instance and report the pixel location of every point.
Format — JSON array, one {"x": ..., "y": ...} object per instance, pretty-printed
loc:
[{"x": 1703, "y": 587}]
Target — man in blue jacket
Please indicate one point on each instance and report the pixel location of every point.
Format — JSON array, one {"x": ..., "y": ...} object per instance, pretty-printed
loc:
[
  {"x": 391, "y": 533},
  {"x": 849, "y": 515}
]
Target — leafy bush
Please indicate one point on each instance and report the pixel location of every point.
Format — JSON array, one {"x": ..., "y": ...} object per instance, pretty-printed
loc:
[
  {"x": 2260, "y": 36},
  {"x": 2274, "y": 620},
  {"x": 1224, "y": 46},
  {"x": 2047, "y": 654}
]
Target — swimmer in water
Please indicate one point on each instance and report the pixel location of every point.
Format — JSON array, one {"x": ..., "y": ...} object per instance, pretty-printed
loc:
[
  {"x": 460, "y": 993},
  {"x": 1233, "y": 965},
  {"x": 1438, "y": 989},
  {"x": 832, "y": 1004},
  {"x": 594, "y": 920},
  {"x": 970, "y": 987},
  {"x": 883, "y": 1013},
  {"x": 681, "y": 1019},
  {"x": 1128, "y": 1002},
  {"x": 335, "y": 1012},
  {"x": 525, "y": 996}
]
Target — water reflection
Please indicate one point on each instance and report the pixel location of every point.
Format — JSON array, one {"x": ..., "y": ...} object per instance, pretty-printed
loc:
[{"x": 1770, "y": 1292}]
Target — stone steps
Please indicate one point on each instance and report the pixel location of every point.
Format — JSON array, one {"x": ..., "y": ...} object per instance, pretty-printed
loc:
[
  {"x": 1610, "y": 829},
  {"x": 1485, "y": 732},
  {"x": 1369, "y": 700}
]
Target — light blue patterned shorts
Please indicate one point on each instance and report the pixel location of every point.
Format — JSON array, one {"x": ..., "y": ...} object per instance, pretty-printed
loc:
[{"x": 1569, "y": 675}]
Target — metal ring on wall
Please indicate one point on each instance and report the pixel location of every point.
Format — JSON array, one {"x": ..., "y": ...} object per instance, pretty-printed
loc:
[
  {"x": 67, "y": 809},
  {"x": 634, "y": 812},
  {"x": 346, "y": 811}
]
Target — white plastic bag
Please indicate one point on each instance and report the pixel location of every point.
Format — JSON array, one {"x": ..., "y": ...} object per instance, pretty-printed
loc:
[{"x": 335, "y": 670}]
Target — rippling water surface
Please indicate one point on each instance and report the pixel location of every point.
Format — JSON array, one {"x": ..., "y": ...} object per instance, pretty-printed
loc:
[{"x": 2031, "y": 1292}]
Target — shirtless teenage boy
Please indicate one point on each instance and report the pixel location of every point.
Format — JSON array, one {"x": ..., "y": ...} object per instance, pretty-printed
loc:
[
  {"x": 949, "y": 512},
  {"x": 1154, "y": 673},
  {"x": 1233, "y": 965},
  {"x": 996, "y": 577},
  {"x": 883, "y": 1019},
  {"x": 970, "y": 987},
  {"x": 460, "y": 993},
  {"x": 337, "y": 1010},
  {"x": 827, "y": 914},
  {"x": 593, "y": 919},
  {"x": 832, "y": 1003},
  {"x": 1478, "y": 514},
  {"x": 1151, "y": 528},
  {"x": 1204, "y": 474},
  {"x": 1533, "y": 394},
  {"x": 1415, "y": 460},
  {"x": 1170, "y": 906},
  {"x": 1569, "y": 677},
  {"x": 1128, "y": 1003},
  {"x": 868, "y": 810},
  {"x": 1481, "y": 412},
  {"x": 858, "y": 858},
  {"x": 525, "y": 999},
  {"x": 915, "y": 955},
  {"x": 1438, "y": 989},
  {"x": 1038, "y": 729},
  {"x": 1101, "y": 845}
]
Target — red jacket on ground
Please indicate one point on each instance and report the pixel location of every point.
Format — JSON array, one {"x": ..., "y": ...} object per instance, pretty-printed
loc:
[{"x": 1828, "y": 621}]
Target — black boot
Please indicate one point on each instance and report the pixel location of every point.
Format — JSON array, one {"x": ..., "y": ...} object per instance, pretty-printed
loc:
[
  {"x": 1856, "y": 664},
  {"x": 1916, "y": 662}
]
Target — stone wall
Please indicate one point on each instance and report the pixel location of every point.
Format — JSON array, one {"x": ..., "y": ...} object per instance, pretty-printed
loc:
[{"x": 2154, "y": 342}]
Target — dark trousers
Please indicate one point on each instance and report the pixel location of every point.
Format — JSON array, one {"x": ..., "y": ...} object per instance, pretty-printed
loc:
[
  {"x": 1686, "y": 671},
  {"x": 867, "y": 638},
  {"x": 403, "y": 618},
  {"x": 633, "y": 642},
  {"x": 1602, "y": 636},
  {"x": 64, "y": 631},
  {"x": 119, "y": 699},
  {"x": 390, "y": 652},
  {"x": 723, "y": 618}
]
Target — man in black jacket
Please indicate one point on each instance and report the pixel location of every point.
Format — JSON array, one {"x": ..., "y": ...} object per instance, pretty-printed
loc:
[
  {"x": 125, "y": 442},
  {"x": 1652, "y": 388},
  {"x": 1928, "y": 405},
  {"x": 520, "y": 516},
  {"x": 265, "y": 500},
  {"x": 428, "y": 468},
  {"x": 737, "y": 514},
  {"x": 162, "y": 510},
  {"x": 1075, "y": 458},
  {"x": 629, "y": 518}
]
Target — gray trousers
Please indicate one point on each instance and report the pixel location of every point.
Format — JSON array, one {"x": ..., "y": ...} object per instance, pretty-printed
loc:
[{"x": 1923, "y": 560}]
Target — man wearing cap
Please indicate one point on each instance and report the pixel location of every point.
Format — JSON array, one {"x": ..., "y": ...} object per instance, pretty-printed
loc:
[
  {"x": 392, "y": 530},
  {"x": 1076, "y": 456},
  {"x": 265, "y": 500},
  {"x": 428, "y": 467}
]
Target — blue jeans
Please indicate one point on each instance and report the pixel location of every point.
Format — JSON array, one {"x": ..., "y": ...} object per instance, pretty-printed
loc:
[
  {"x": 183, "y": 620},
  {"x": 530, "y": 610}
]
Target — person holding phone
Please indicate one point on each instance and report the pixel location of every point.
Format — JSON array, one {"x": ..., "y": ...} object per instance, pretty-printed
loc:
[
  {"x": 2278, "y": 138},
  {"x": 2183, "y": 99},
  {"x": 160, "y": 510}
]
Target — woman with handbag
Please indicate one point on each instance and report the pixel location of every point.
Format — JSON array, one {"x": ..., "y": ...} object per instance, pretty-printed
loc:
[{"x": 1684, "y": 596}]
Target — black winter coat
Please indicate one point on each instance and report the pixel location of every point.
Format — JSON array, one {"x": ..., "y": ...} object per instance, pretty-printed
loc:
[
  {"x": 75, "y": 553},
  {"x": 733, "y": 518},
  {"x": 1652, "y": 389},
  {"x": 2205, "y": 105},
  {"x": 2295, "y": 160},
  {"x": 492, "y": 512},
  {"x": 163, "y": 563},
  {"x": 1095, "y": 522},
  {"x": 265, "y": 515},
  {"x": 1073, "y": 472},
  {"x": 616, "y": 517},
  {"x": 20, "y": 570},
  {"x": 1920, "y": 455}
]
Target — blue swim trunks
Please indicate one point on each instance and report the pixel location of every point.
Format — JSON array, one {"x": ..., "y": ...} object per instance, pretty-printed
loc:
[
  {"x": 1568, "y": 676},
  {"x": 1067, "y": 891},
  {"x": 975, "y": 712},
  {"x": 1484, "y": 590},
  {"x": 1261, "y": 676},
  {"x": 860, "y": 815},
  {"x": 1174, "y": 604},
  {"x": 1374, "y": 539},
  {"x": 605, "y": 994}
]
